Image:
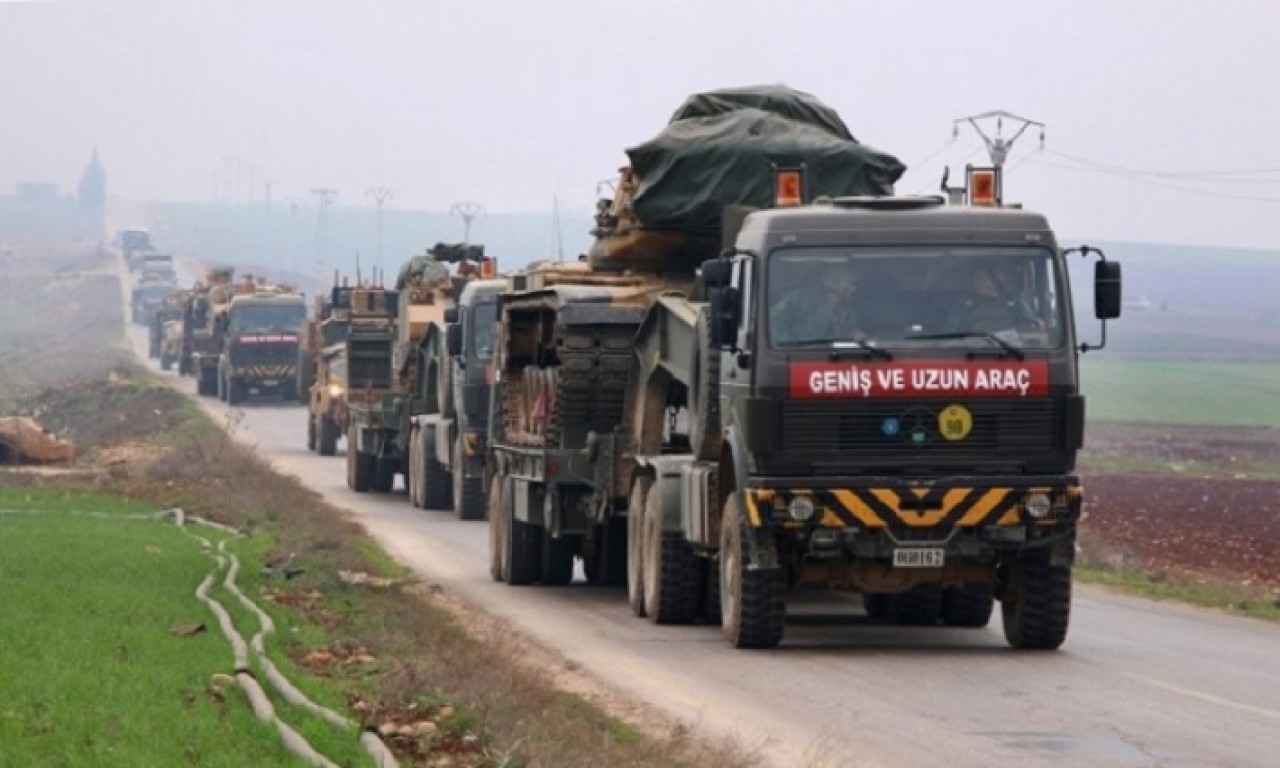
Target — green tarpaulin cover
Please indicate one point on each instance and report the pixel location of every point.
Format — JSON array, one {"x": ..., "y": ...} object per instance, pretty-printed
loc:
[{"x": 721, "y": 147}]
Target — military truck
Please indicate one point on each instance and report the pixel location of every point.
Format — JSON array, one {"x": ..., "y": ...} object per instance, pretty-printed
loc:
[
  {"x": 259, "y": 335},
  {"x": 134, "y": 244},
  {"x": 447, "y": 444},
  {"x": 323, "y": 358},
  {"x": 370, "y": 400},
  {"x": 158, "y": 266},
  {"x": 201, "y": 329},
  {"x": 695, "y": 394},
  {"x": 170, "y": 311},
  {"x": 147, "y": 297},
  {"x": 382, "y": 428}
]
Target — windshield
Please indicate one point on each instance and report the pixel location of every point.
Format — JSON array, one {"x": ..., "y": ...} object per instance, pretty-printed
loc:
[
  {"x": 265, "y": 318},
  {"x": 484, "y": 320},
  {"x": 899, "y": 296}
]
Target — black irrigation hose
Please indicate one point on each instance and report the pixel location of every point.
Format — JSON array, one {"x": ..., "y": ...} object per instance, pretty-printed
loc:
[{"x": 258, "y": 700}]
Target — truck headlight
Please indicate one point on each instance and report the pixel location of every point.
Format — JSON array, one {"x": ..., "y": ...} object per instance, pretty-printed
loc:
[
  {"x": 1038, "y": 506},
  {"x": 801, "y": 509},
  {"x": 335, "y": 390}
]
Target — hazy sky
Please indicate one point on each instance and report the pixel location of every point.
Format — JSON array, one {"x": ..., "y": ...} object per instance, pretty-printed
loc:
[{"x": 512, "y": 102}]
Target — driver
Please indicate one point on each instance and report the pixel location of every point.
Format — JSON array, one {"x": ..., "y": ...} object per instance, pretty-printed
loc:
[
  {"x": 820, "y": 309},
  {"x": 990, "y": 307}
]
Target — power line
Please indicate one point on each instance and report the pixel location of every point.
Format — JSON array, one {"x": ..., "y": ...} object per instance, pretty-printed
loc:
[{"x": 1139, "y": 178}]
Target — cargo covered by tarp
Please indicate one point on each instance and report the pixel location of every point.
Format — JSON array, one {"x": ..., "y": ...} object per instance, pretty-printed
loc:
[
  {"x": 722, "y": 153},
  {"x": 422, "y": 268}
]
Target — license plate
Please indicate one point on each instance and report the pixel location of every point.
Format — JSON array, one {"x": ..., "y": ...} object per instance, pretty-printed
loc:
[
  {"x": 919, "y": 557},
  {"x": 270, "y": 382}
]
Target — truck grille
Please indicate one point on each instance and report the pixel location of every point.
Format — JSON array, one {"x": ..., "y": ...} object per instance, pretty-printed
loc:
[{"x": 886, "y": 427}]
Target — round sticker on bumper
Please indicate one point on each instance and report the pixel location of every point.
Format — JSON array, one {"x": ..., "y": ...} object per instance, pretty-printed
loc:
[{"x": 955, "y": 422}]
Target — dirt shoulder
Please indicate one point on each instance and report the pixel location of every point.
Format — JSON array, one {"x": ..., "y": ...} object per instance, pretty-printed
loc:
[{"x": 396, "y": 651}]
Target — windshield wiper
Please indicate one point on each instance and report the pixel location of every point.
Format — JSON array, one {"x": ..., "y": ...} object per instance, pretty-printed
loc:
[
  {"x": 861, "y": 346},
  {"x": 1010, "y": 348}
]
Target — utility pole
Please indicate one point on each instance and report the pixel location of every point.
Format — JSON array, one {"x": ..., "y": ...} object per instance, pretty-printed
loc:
[
  {"x": 468, "y": 212},
  {"x": 324, "y": 198},
  {"x": 998, "y": 146},
  {"x": 380, "y": 195},
  {"x": 557, "y": 237}
]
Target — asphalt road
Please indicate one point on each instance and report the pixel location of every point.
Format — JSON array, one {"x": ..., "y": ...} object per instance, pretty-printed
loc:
[{"x": 1137, "y": 684}]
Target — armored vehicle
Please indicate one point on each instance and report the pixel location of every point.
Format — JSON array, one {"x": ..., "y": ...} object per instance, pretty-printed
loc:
[{"x": 259, "y": 344}]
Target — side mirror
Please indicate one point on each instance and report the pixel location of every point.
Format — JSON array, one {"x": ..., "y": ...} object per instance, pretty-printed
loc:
[
  {"x": 725, "y": 309},
  {"x": 451, "y": 315},
  {"x": 453, "y": 339},
  {"x": 1106, "y": 290},
  {"x": 716, "y": 273}
]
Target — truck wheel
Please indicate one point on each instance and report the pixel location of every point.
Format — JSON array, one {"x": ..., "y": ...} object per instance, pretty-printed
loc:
[
  {"x": 235, "y": 391},
  {"x": 327, "y": 440},
  {"x": 206, "y": 381},
  {"x": 289, "y": 392},
  {"x": 306, "y": 375},
  {"x": 640, "y": 488},
  {"x": 876, "y": 604},
  {"x": 753, "y": 602},
  {"x": 968, "y": 606},
  {"x": 710, "y": 588},
  {"x": 704, "y": 395},
  {"x": 437, "y": 492},
  {"x": 669, "y": 572},
  {"x": 497, "y": 529},
  {"x": 557, "y": 559},
  {"x": 1037, "y": 610},
  {"x": 468, "y": 492},
  {"x": 359, "y": 466},
  {"x": 311, "y": 431},
  {"x": 524, "y": 548},
  {"x": 606, "y": 564},
  {"x": 921, "y": 606},
  {"x": 166, "y": 363},
  {"x": 384, "y": 474}
]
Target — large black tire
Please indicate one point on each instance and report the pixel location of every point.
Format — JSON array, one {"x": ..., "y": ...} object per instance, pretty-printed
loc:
[
  {"x": 672, "y": 593},
  {"x": 753, "y": 602},
  {"x": 206, "y": 381},
  {"x": 524, "y": 548},
  {"x": 1037, "y": 609},
  {"x": 306, "y": 376},
  {"x": 166, "y": 362},
  {"x": 606, "y": 564},
  {"x": 235, "y": 391},
  {"x": 968, "y": 606},
  {"x": 876, "y": 604},
  {"x": 437, "y": 482},
  {"x": 497, "y": 528},
  {"x": 710, "y": 588},
  {"x": 327, "y": 437},
  {"x": 921, "y": 606},
  {"x": 312, "y": 430},
  {"x": 359, "y": 466},
  {"x": 557, "y": 559},
  {"x": 384, "y": 474},
  {"x": 640, "y": 488},
  {"x": 468, "y": 492},
  {"x": 704, "y": 395}
]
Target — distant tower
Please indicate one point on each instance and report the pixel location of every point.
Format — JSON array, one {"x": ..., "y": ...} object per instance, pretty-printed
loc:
[{"x": 92, "y": 194}]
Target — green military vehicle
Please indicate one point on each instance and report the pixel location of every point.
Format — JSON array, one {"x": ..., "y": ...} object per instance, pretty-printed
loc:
[
  {"x": 448, "y": 443},
  {"x": 324, "y": 364},
  {"x": 258, "y": 356},
  {"x": 371, "y": 398},
  {"x": 410, "y": 430},
  {"x": 739, "y": 403}
]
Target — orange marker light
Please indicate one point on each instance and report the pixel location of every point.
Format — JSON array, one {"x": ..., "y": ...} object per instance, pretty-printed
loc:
[
  {"x": 982, "y": 187},
  {"x": 788, "y": 188},
  {"x": 487, "y": 268}
]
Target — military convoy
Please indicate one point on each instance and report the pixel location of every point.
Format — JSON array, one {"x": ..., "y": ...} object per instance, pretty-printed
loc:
[{"x": 768, "y": 373}]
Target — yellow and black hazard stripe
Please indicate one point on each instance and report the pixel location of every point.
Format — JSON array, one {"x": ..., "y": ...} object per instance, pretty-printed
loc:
[
  {"x": 280, "y": 371},
  {"x": 905, "y": 508}
]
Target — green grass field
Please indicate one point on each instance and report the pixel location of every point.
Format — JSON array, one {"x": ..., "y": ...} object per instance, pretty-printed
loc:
[
  {"x": 1220, "y": 394},
  {"x": 92, "y": 674}
]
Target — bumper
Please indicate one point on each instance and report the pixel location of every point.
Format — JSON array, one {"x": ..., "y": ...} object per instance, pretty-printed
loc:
[
  {"x": 260, "y": 373},
  {"x": 913, "y": 509}
]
